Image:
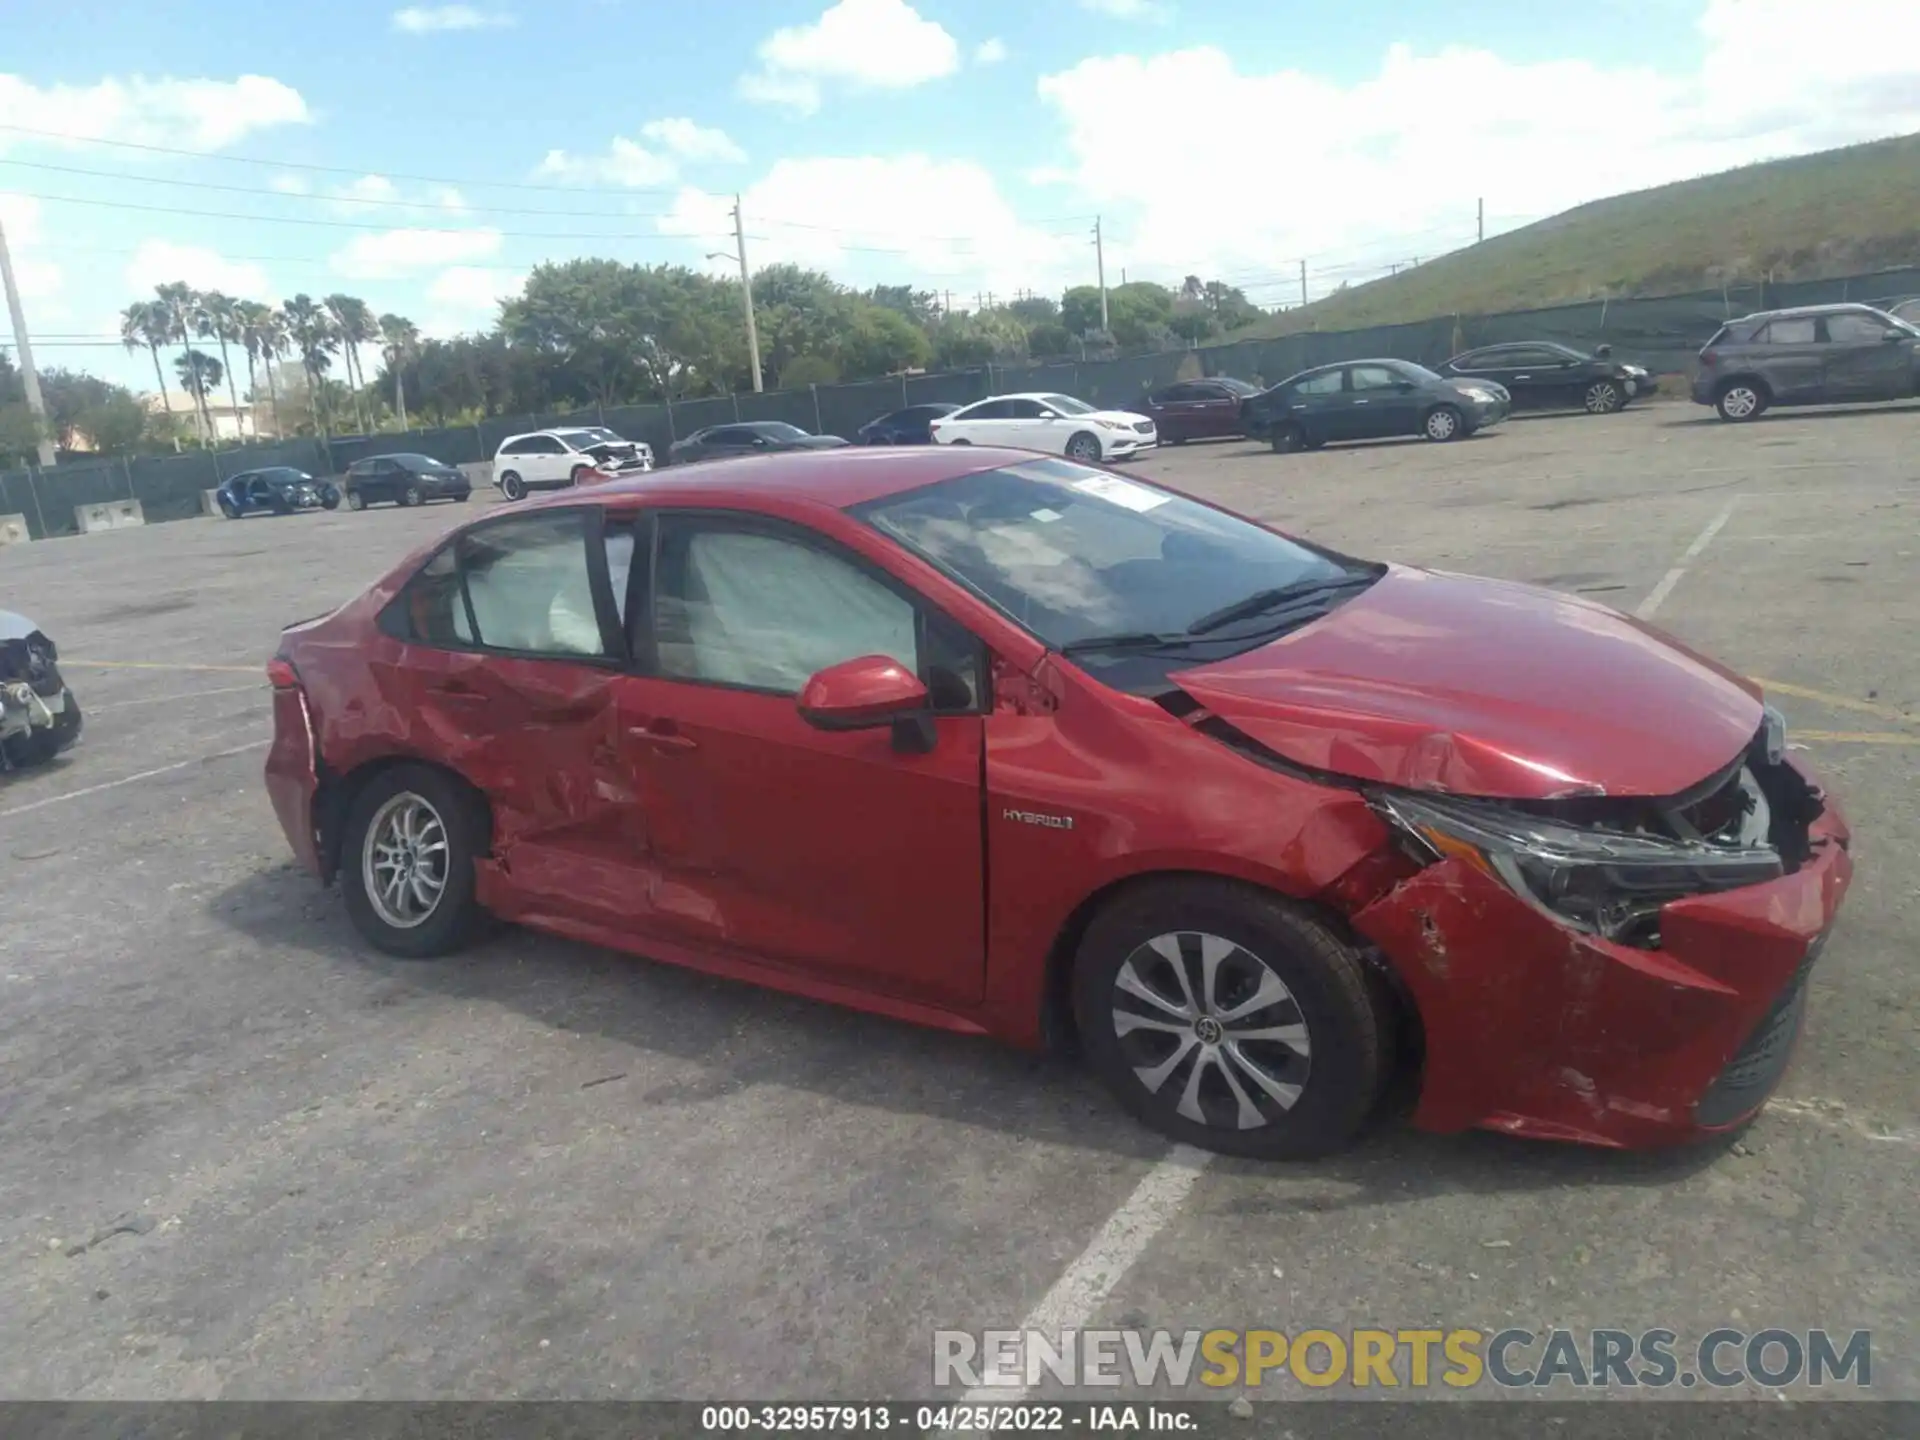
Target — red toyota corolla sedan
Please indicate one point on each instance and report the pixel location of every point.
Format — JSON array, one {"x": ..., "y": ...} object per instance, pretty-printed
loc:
[{"x": 1015, "y": 746}]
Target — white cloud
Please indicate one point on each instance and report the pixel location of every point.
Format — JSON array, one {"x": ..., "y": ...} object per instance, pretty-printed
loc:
[
  {"x": 860, "y": 44},
  {"x": 160, "y": 262},
  {"x": 425, "y": 19},
  {"x": 290, "y": 185},
  {"x": 990, "y": 52},
  {"x": 38, "y": 278},
  {"x": 466, "y": 298},
  {"x": 684, "y": 140},
  {"x": 377, "y": 196},
  {"x": 189, "y": 114},
  {"x": 625, "y": 163},
  {"x": 390, "y": 254},
  {"x": 356, "y": 195},
  {"x": 873, "y": 219},
  {"x": 1127, "y": 9},
  {"x": 1379, "y": 194}
]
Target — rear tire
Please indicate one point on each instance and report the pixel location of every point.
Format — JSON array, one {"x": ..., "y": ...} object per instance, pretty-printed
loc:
[
  {"x": 356, "y": 501},
  {"x": 442, "y": 811},
  {"x": 229, "y": 509},
  {"x": 512, "y": 487},
  {"x": 1292, "y": 1076},
  {"x": 1085, "y": 448},
  {"x": 1740, "y": 401},
  {"x": 1287, "y": 439},
  {"x": 1443, "y": 423}
]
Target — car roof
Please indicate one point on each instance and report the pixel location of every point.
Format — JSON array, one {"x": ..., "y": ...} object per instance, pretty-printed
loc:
[
  {"x": 838, "y": 477},
  {"x": 1026, "y": 395},
  {"x": 1848, "y": 307}
]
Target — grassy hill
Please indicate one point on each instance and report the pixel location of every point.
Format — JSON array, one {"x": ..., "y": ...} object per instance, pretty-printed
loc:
[{"x": 1837, "y": 212}]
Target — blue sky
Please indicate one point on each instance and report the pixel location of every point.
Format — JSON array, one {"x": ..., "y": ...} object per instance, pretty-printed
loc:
[{"x": 426, "y": 156}]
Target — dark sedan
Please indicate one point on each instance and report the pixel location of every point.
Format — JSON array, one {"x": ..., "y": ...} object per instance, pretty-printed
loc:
[
  {"x": 747, "y": 437},
  {"x": 1548, "y": 376},
  {"x": 404, "y": 480},
  {"x": 1370, "y": 400},
  {"x": 276, "y": 490},
  {"x": 1197, "y": 409},
  {"x": 908, "y": 426}
]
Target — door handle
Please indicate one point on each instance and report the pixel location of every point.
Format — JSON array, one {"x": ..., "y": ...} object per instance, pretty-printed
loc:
[
  {"x": 1363, "y": 402},
  {"x": 457, "y": 692},
  {"x": 1523, "y": 377},
  {"x": 662, "y": 735}
]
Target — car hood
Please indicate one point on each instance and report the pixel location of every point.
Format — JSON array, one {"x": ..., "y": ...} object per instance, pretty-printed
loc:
[
  {"x": 1469, "y": 686},
  {"x": 816, "y": 442},
  {"x": 16, "y": 627},
  {"x": 1123, "y": 417}
]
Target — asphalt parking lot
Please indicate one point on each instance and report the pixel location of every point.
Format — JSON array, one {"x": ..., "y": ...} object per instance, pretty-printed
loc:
[{"x": 246, "y": 1157}]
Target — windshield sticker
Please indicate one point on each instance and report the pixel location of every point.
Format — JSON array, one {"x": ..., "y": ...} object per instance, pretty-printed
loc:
[
  {"x": 1046, "y": 517},
  {"x": 1121, "y": 492}
]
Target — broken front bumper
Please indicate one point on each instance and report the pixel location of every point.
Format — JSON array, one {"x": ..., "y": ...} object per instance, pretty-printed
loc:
[
  {"x": 31, "y": 722},
  {"x": 1536, "y": 1029}
]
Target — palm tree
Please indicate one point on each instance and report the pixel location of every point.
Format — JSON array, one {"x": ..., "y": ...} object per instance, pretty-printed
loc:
[
  {"x": 199, "y": 373},
  {"x": 312, "y": 331},
  {"x": 399, "y": 338},
  {"x": 218, "y": 318},
  {"x": 263, "y": 332},
  {"x": 182, "y": 305},
  {"x": 353, "y": 318},
  {"x": 144, "y": 324}
]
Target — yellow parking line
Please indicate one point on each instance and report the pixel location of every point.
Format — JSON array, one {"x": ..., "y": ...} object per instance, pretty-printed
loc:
[
  {"x": 1838, "y": 702},
  {"x": 1855, "y": 737},
  {"x": 159, "y": 665}
]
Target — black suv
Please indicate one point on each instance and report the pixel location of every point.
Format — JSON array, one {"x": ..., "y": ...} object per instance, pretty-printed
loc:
[
  {"x": 1544, "y": 375},
  {"x": 1813, "y": 355}
]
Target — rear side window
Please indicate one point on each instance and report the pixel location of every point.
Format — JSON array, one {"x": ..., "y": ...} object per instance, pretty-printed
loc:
[
  {"x": 523, "y": 585},
  {"x": 1327, "y": 384},
  {"x": 1788, "y": 332}
]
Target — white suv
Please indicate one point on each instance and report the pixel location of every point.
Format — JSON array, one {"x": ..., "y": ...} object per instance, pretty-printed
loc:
[{"x": 553, "y": 459}]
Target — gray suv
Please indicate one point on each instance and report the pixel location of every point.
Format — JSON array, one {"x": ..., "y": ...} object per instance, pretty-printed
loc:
[{"x": 1813, "y": 355}]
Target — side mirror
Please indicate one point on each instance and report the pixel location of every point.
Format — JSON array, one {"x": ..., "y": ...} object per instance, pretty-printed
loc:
[
  {"x": 1602, "y": 351},
  {"x": 862, "y": 694},
  {"x": 1892, "y": 337}
]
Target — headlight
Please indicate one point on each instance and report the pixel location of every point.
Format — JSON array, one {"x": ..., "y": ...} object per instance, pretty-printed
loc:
[
  {"x": 1107, "y": 424},
  {"x": 1476, "y": 392},
  {"x": 1602, "y": 882}
]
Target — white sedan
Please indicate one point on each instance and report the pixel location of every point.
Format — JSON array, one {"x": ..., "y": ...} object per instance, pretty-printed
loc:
[{"x": 1056, "y": 423}]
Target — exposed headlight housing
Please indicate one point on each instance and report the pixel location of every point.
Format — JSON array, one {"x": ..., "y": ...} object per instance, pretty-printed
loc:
[{"x": 1598, "y": 881}]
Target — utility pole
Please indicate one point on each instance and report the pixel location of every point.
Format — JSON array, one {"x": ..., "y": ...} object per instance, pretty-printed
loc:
[
  {"x": 1481, "y": 226},
  {"x": 1100, "y": 264},
  {"x": 29, "y": 377},
  {"x": 1303, "y": 282}
]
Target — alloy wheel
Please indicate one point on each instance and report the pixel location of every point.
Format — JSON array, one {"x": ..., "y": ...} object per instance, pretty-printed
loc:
[
  {"x": 1603, "y": 398},
  {"x": 404, "y": 861},
  {"x": 1740, "y": 402},
  {"x": 356, "y": 501},
  {"x": 1204, "y": 1018},
  {"x": 1083, "y": 448},
  {"x": 412, "y": 497}
]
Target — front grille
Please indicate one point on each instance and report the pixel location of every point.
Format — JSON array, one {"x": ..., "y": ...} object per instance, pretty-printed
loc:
[
  {"x": 1757, "y": 1066},
  {"x": 1145, "y": 427}
]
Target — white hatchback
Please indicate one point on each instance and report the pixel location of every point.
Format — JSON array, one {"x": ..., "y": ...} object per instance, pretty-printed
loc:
[
  {"x": 554, "y": 459},
  {"x": 1056, "y": 423}
]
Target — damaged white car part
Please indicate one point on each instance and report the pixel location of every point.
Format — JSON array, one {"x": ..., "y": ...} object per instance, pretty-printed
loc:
[{"x": 39, "y": 716}]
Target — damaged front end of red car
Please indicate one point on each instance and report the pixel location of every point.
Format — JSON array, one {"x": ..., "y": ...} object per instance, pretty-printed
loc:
[{"x": 1618, "y": 971}]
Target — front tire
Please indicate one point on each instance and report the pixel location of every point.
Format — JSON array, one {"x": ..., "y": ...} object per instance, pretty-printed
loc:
[
  {"x": 1443, "y": 423},
  {"x": 1085, "y": 448},
  {"x": 1739, "y": 401},
  {"x": 229, "y": 509},
  {"x": 1287, "y": 439},
  {"x": 512, "y": 487},
  {"x": 411, "y": 497},
  {"x": 1603, "y": 397},
  {"x": 412, "y": 835},
  {"x": 1232, "y": 1019}
]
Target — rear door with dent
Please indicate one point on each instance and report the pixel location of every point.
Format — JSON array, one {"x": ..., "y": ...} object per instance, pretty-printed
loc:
[{"x": 512, "y": 650}]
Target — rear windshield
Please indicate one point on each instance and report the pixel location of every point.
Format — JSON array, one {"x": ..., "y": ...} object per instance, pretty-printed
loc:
[{"x": 1720, "y": 337}]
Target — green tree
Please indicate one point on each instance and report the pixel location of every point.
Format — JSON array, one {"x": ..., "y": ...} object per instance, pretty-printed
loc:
[
  {"x": 218, "y": 318},
  {"x": 354, "y": 325},
  {"x": 145, "y": 325},
  {"x": 1080, "y": 309},
  {"x": 1049, "y": 339},
  {"x": 805, "y": 370},
  {"x": 399, "y": 339},
  {"x": 180, "y": 303},
  {"x": 1139, "y": 312},
  {"x": 1193, "y": 326},
  {"x": 921, "y": 307},
  {"x": 881, "y": 341},
  {"x": 310, "y": 331},
  {"x": 116, "y": 424},
  {"x": 19, "y": 434},
  {"x": 260, "y": 336},
  {"x": 1035, "y": 310},
  {"x": 67, "y": 394},
  {"x": 199, "y": 373}
]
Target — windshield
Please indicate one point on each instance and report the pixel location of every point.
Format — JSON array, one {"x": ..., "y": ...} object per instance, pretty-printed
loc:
[
  {"x": 1076, "y": 555},
  {"x": 1067, "y": 405},
  {"x": 1413, "y": 371},
  {"x": 418, "y": 462}
]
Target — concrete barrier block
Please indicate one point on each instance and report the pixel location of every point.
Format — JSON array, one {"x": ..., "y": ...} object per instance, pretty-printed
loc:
[
  {"x": 114, "y": 515},
  {"x": 210, "y": 501},
  {"x": 13, "y": 530}
]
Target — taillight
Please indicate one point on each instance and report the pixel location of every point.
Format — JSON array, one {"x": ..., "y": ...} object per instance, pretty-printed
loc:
[
  {"x": 281, "y": 674},
  {"x": 1708, "y": 359}
]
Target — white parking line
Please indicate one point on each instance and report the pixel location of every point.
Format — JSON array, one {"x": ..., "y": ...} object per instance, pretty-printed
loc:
[
  {"x": 1098, "y": 1268},
  {"x": 93, "y": 710},
  {"x": 1672, "y": 578},
  {"x": 129, "y": 779}
]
